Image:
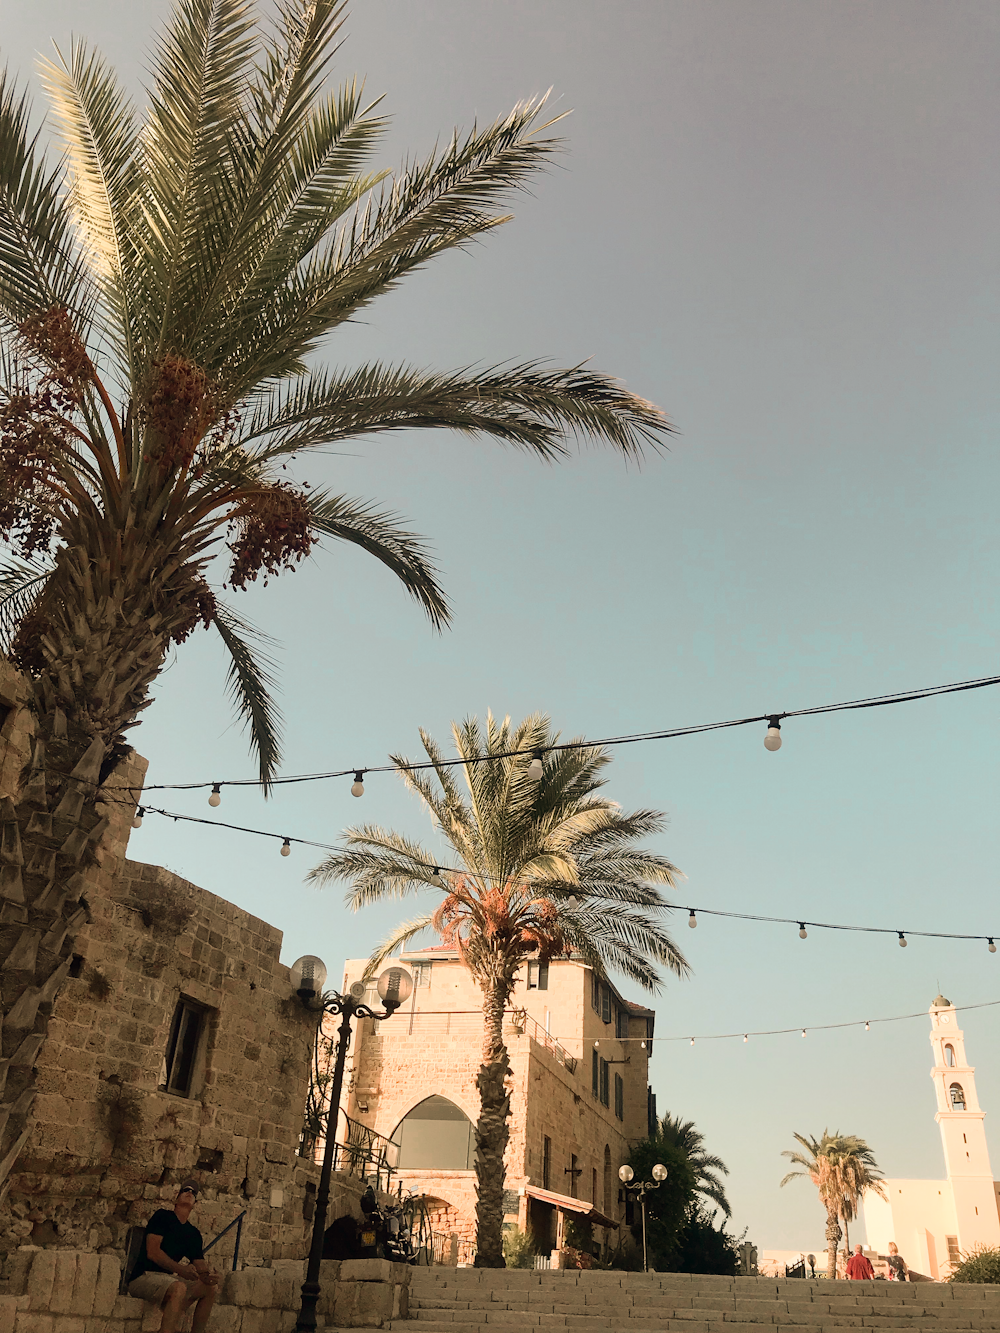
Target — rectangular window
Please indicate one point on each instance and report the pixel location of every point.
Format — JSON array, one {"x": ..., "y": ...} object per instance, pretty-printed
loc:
[
  {"x": 605, "y": 1083},
  {"x": 538, "y": 976},
  {"x": 595, "y": 993},
  {"x": 953, "y": 1255},
  {"x": 596, "y": 1074},
  {"x": 621, "y": 1023},
  {"x": 546, "y": 1162},
  {"x": 186, "y": 1029},
  {"x": 605, "y": 1003},
  {"x": 619, "y": 1097},
  {"x": 593, "y": 1187},
  {"x": 421, "y": 975}
]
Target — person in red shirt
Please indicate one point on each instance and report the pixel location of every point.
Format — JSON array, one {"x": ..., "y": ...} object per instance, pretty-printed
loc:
[{"x": 858, "y": 1267}]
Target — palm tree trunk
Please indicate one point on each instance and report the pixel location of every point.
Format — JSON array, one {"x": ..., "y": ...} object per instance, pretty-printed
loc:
[
  {"x": 847, "y": 1236},
  {"x": 492, "y": 1131},
  {"x": 833, "y": 1235}
]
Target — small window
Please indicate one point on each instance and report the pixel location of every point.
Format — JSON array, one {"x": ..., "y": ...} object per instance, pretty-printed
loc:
[
  {"x": 949, "y": 1056},
  {"x": 596, "y": 1074},
  {"x": 605, "y": 1083},
  {"x": 421, "y": 975},
  {"x": 595, "y": 993},
  {"x": 957, "y": 1096},
  {"x": 538, "y": 976},
  {"x": 177, "y": 1072},
  {"x": 619, "y": 1097},
  {"x": 621, "y": 1024},
  {"x": 593, "y": 1186},
  {"x": 953, "y": 1255},
  {"x": 546, "y": 1162},
  {"x": 605, "y": 1003}
]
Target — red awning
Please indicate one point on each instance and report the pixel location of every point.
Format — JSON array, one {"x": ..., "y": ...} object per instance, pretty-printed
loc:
[{"x": 568, "y": 1205}]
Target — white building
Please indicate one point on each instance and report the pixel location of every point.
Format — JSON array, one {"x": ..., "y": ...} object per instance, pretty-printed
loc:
[{"x": 934, "y": 1221}]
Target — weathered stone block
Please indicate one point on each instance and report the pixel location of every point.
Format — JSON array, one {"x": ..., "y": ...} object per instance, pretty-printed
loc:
[
  {"x": 8, "y": 1313},
  {"x": 29, "y": 1322},
  {"x": 128, "y": 1308},
  {"x": 106, "y": 1287},
  {"x": 69, "y": 1323},
  {"x": 226, "y": 1319},
  {"x": 88, "y": 1266},
  {"x": 41, "y": 1276},
  {"x": 366, "y": 1270}
]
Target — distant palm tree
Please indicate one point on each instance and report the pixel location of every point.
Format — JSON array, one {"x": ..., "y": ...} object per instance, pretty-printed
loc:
[
  {"x": 545, "y": 868},
  {"x": 843, "y": 1169},
  {"x": 683, "y": 1134},
  {"x": 165, "y": 287}
]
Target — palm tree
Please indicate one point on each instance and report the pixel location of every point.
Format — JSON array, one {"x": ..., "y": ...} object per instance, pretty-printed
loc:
[
  {"x": 544, "y": 868},
  {"x": 843, "y": 1168},
  {"x": 164, "y": 289},
  {"x": 682, "y": 1134}
]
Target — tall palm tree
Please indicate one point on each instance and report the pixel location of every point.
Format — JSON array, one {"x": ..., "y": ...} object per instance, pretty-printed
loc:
[
  {"x": 164, "y": 288},
  {"x": 543, "y": 868},
  {"x": 706, "y": 1166},
  {"x": 843, "y": 1168}
]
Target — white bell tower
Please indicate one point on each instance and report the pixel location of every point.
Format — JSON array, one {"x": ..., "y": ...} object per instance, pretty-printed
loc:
[{"x": 966, "y": 1156}]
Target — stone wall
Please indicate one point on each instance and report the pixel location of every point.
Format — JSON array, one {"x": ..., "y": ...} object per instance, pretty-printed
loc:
[{"x": 63, "y": 1291}]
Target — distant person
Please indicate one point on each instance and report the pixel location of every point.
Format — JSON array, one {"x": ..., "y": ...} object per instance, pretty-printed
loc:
[
  {"x": 898, "y": 1271},
  {"x": 160, "y": 1277},
  {"x": 858, "y": 1267}
]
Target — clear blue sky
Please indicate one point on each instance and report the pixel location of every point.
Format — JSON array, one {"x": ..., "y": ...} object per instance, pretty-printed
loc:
[{"x": 779, "y": 221}]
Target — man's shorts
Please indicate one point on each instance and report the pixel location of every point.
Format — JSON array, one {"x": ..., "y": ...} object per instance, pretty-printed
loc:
[{"x": 153, "y": 1286}]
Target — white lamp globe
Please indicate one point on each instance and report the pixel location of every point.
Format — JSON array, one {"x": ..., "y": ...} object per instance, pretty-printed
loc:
[
  {"x": 659, "y": 1172},
  {"x": 394, "y": 987},
  {"x": 772, "y": 741},
  {"x": 625, "y": 1174},
  {"x": 308, "y": 975}
]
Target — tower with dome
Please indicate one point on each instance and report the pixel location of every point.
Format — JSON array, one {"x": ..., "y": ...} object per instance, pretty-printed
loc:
[{"x": 933, "y": 1221}]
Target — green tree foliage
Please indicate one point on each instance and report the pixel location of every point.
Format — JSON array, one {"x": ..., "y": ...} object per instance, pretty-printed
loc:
[
  {"x": 702, "y": 1247},
  {"x": 707, "y": 1167},
  {"x": 534, "y": 869},
  {"x": 668, "y": 1206},
  {"x": 982, "y": 1264}
]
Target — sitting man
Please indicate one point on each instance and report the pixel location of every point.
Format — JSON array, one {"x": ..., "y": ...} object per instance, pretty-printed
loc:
[
  {"x": 160, "y": 1277},
  {"x": 858, "y": 1267}
]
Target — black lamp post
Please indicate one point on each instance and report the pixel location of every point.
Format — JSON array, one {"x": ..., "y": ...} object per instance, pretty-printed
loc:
[
  {"x": 308, "y": 975},
  {"x": 625, "y": 1175}
]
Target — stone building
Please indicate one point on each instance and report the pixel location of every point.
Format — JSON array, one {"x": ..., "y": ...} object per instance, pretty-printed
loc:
[
  {"x": 934, "y": 1222},
  {"x": 176, "y": 1048},
  {"x": 580, "y": 1100}
]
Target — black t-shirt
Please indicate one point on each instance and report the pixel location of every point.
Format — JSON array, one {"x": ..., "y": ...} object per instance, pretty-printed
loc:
[{"x": 181, "y": 1240}]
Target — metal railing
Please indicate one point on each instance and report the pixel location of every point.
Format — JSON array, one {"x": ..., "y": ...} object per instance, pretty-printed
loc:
[
  {"x": 521, "y": 1021},
  {"x": 364, "y": 1154},
  {"x": 237, "y": 1222}
]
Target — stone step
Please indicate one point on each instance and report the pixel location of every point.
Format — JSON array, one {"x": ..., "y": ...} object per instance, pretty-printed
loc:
[{"x": 618, "y": 1325}]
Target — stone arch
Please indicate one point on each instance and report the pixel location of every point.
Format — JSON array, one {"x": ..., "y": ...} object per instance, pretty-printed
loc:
[
  {"x": 949, "y": 1056},
  {"x": 435, "y": 1134},
  {"x": 956, "y": 1096}
]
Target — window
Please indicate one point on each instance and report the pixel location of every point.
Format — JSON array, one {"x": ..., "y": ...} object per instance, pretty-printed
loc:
[
  {"x": 538, "y": 976},
  {"x": 605, "y": 1083},
  {"x": 953, "y": 1255},
  {"x": 605, "y": 1003},
  {"x": 421, "y": 975},
  {"x": 949, "y": 1056},
  {"x": 957, "y": 1096},
  {"x": 546, "y": 1162},
  {"x": 178, "y": 1070},
  {"x": 621, "y": 1023},
  {"x": 595, "y": 993},
  {"x": 619, "y": 1097},
  {"x": 593, "y": 1186},
  {"x": 596, "y": 1074},
  {"x": 436, "y": 1134}
]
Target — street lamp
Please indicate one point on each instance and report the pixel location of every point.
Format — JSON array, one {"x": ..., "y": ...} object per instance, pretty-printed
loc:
[
  {"x": 625, "y": 1175},
  {"x": 394, "y": 987}
]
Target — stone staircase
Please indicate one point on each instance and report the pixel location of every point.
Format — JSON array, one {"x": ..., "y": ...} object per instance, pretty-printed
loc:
[{"x": 470, "y": 1300}]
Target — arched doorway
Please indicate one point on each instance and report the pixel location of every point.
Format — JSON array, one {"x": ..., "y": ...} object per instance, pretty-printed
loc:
[{"x": 437, "y": 1135}]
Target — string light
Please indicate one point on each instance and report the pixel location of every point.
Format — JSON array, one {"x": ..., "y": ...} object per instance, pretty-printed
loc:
[
  {"x": 902, "y": 939},
  {"x": 692, "y": 1041},
  {"x": 868, "y": 1026},
  {"x": 137, "y": 818},
  {"x": 992, "y": 946},
  {"x": 772, "y": 719},
  {"x": 216, "y": 796},
  {"x": 358, "y": 785},
  {"x": 746, "y": 1038},
  {"x": 803, "y": 933},
  {"x": 803, "y": 1032},
  {"x": 286, "y": 848},
  {"x": 692, "y": 919},
  {"x": 535, "y": 767},
  {"x": 772, "y": 739}
]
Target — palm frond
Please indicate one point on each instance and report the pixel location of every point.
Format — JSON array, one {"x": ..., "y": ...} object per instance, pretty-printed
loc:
[
  {"x": 394, "y": 942},
  {"x": 21, "y": 582},
  {"x": 249, "y": 682}
]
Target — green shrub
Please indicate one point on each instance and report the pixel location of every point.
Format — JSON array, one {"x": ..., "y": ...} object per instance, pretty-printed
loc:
[
  {"x": 518, "y": 1248},
  {"x": 981, "y": 1265}
]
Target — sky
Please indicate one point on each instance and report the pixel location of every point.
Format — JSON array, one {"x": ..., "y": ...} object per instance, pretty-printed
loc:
[{"x": 778, "y": 221}]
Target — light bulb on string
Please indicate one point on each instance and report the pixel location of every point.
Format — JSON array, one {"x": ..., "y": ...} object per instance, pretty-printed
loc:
[
  {"x": 358, "y": 785},
  {"x": 597, "y": 1045},
  {"x": 902, "y": 939},
  {"x": 991, "y": 946},
  {"x": 692, "y": 1041},
  {"x": 868, "y": 1026},
  {"x": 803, "y": 933},
  {"x": 286, "y": 848},
  {"x": 772, "y": 740},
  {"x": 137, "y": 818},
  {"x": 436, "y": 872},
  {"x": 746, "y": 1038},
  {"x": 535, "y": 767},
  {"x": 216, "y": 796},
  {"x": 803, "y": 1032},
  {"x": 692, "y": 919}
]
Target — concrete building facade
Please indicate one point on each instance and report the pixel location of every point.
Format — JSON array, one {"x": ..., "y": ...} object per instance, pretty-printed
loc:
[
  {"x": 933, "y": 1222},
  {"x": 579, "y": 1055}
]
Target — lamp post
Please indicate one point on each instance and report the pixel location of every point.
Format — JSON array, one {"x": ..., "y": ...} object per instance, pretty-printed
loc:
[
  {"x": 625, "y": 1175},
  {"x": 308, "y": 975}
]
